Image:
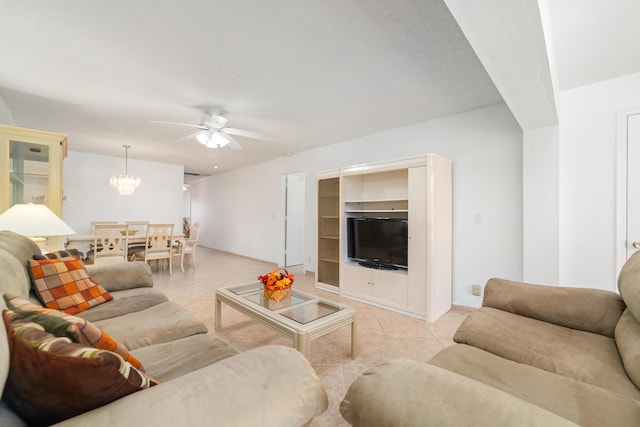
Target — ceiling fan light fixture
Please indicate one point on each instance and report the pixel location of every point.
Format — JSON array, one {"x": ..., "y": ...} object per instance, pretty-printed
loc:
[
  {"x": 220, "y": 139},
  {"x": 217, "y": 140},
  {"x": 203, "y": 137},
  {"x": 125, "y": 184}
]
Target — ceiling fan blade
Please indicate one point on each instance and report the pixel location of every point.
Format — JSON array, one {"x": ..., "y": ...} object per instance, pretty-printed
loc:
[
  {"x": 233, "y": 144},
  {"x": 191, "y": 135},
  {"x": 246, "y": 133},
  {"x": 180, "y": 124}
]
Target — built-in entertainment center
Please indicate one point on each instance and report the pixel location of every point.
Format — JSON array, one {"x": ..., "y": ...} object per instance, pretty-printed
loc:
[{"x": 384, "y": 234}]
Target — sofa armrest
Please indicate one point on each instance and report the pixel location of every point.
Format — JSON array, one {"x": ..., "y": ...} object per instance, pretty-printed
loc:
[
  {"x": 590, "y": 310},
  {"x": 409, "y": 393},
  {"x": 267, "y": 386},
  {"x": 121, "y": 276}
]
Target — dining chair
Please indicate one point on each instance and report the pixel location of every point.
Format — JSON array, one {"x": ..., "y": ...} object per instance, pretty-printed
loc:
[
  {"x": 94, "y": 223},
  {"x": 158, "y": 245},
  {"x": 187, "y": 246},
  {"x": 137, "y": 233},
  {"x": 110, "y": 243}
]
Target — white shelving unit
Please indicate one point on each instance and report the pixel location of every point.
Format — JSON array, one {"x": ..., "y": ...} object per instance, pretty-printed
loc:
[{"x": 418, "y": 189}]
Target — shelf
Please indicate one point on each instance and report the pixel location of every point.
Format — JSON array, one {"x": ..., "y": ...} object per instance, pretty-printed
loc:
[
  {"x": 377, "y": 210},
  {"x": 377, "y": 200},
  {"x": 328, "y": 241}
]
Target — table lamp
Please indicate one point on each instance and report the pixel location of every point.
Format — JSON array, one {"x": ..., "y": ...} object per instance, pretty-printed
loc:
[{"x": 34, "y": 220}]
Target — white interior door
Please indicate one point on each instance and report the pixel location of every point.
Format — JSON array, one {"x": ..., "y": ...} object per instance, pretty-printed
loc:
[
  {"x": 294, "y": 219},
  {"x": 633, "y": 184}
]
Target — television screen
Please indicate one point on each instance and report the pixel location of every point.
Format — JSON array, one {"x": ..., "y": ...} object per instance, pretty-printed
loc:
[{"x": 379, "y": 242}]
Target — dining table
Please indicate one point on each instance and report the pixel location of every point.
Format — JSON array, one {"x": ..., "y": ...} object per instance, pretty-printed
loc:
[{"x": 78, "y": 241}]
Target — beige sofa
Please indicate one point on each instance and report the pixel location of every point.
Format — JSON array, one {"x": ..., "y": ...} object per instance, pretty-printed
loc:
[
  {"x": 531, "y": 356},
  {"x": 203, "y": 381}
]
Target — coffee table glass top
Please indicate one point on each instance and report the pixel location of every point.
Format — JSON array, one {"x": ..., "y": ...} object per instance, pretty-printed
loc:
[
  {"x": 302, "y": 308},
  {"x": 295, "y": 298},
  {"x": 246, "y": 289},
  {"x": 310, "y": 312}
]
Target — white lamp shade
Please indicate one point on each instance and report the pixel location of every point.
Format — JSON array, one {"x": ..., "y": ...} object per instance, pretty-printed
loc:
[{"x": 33, "y": 220}]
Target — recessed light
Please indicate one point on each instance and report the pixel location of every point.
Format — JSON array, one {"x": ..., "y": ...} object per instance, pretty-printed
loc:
[
  {"x": 215, "y": 166},
  {"x": 288, "y": 153}
]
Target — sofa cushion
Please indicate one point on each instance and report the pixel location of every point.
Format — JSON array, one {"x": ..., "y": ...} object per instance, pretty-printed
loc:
[
  {"x": 629, "y": 284},
  {"x": 52, "y": 379},
  {"x": 125, "y": 302},
  {"x": 22, "y": 248},
  {"x": 59, "y": 254},
  {"x": 583, "y": 356},
  {"x": 412, "y": 394},
  {"x": 590, "y": 310},
  {"x": 628, "y": 342},
  {"x": 125, "y": 275},
  {"x": 161, "y": 323},
  {"x": 15, "y": 279},
  {"x": 75, "y": 328},
  {"x": 173, "y": 359},
  {"x": 582, "y": 403},
  {"x": 63, "y": 284}
]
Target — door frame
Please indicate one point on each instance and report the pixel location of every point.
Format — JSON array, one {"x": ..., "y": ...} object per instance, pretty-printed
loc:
[
  {"x": 283, "y": 226},
  {"x": 621, "y": 185}
]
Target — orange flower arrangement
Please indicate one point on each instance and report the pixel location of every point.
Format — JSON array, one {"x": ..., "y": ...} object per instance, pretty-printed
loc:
[{"x": 277, "y": 284}]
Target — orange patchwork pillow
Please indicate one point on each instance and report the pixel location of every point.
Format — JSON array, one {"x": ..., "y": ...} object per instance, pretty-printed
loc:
[{"x": 64, "y": 284}]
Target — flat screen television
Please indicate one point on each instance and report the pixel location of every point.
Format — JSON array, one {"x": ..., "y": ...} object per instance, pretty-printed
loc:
[{"x": 378, "y": 242}]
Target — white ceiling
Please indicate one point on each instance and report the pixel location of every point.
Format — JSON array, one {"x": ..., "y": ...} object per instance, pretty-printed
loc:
[
  {"x": 594, "y": 40},
  {"x": 306, "y": 73}
]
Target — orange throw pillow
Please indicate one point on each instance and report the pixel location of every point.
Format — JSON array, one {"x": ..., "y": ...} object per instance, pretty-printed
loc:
[{"x": 64, "y": 284}]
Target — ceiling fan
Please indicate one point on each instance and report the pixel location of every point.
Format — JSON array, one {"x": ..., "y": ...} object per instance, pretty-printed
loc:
[{"x": 213, "y": 132}]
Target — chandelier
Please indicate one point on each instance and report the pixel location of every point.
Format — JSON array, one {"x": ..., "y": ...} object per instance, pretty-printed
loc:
[{"x": 125, "y": 184}]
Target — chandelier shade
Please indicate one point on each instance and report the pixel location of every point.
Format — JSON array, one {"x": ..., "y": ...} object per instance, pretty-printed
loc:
[{"x": 125, "y": 184}]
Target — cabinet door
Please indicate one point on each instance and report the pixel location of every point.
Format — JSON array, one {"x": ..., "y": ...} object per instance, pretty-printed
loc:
[
  {"x": 417, "y": 298},
  {"x": 356, "y": 280},
  {"x": 31, "y": 166},
  {"x": 390, "y": 287}
]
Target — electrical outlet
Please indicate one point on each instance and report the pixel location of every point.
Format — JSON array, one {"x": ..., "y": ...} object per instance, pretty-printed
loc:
[{"x": 476, "y": 290}]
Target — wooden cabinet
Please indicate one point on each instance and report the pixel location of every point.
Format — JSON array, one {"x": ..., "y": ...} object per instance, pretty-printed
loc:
[
  {"x": 31, "y": 168},
  {"x": 328, "y": 231},
  {"x": 418, "y": 189},
  {"x": 385, "y": 288}
]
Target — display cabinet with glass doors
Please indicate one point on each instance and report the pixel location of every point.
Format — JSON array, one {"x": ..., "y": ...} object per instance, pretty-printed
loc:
[{"x": 31, "y": 167}]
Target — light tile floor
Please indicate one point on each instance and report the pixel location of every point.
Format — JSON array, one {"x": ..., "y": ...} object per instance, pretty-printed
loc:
[{"x": 382, "y": 335}]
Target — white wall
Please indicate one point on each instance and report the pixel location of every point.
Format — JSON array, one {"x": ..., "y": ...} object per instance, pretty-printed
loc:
[
  {"x": 541, "y": 219},
  {"x": 241, "y": 209},
  {"x": 587, "y": 185},
  {"x": 89, "y": 197}
]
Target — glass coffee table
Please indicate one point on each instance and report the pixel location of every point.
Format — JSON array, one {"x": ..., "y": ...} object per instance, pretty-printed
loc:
[{"x": 302, "y": 317}]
